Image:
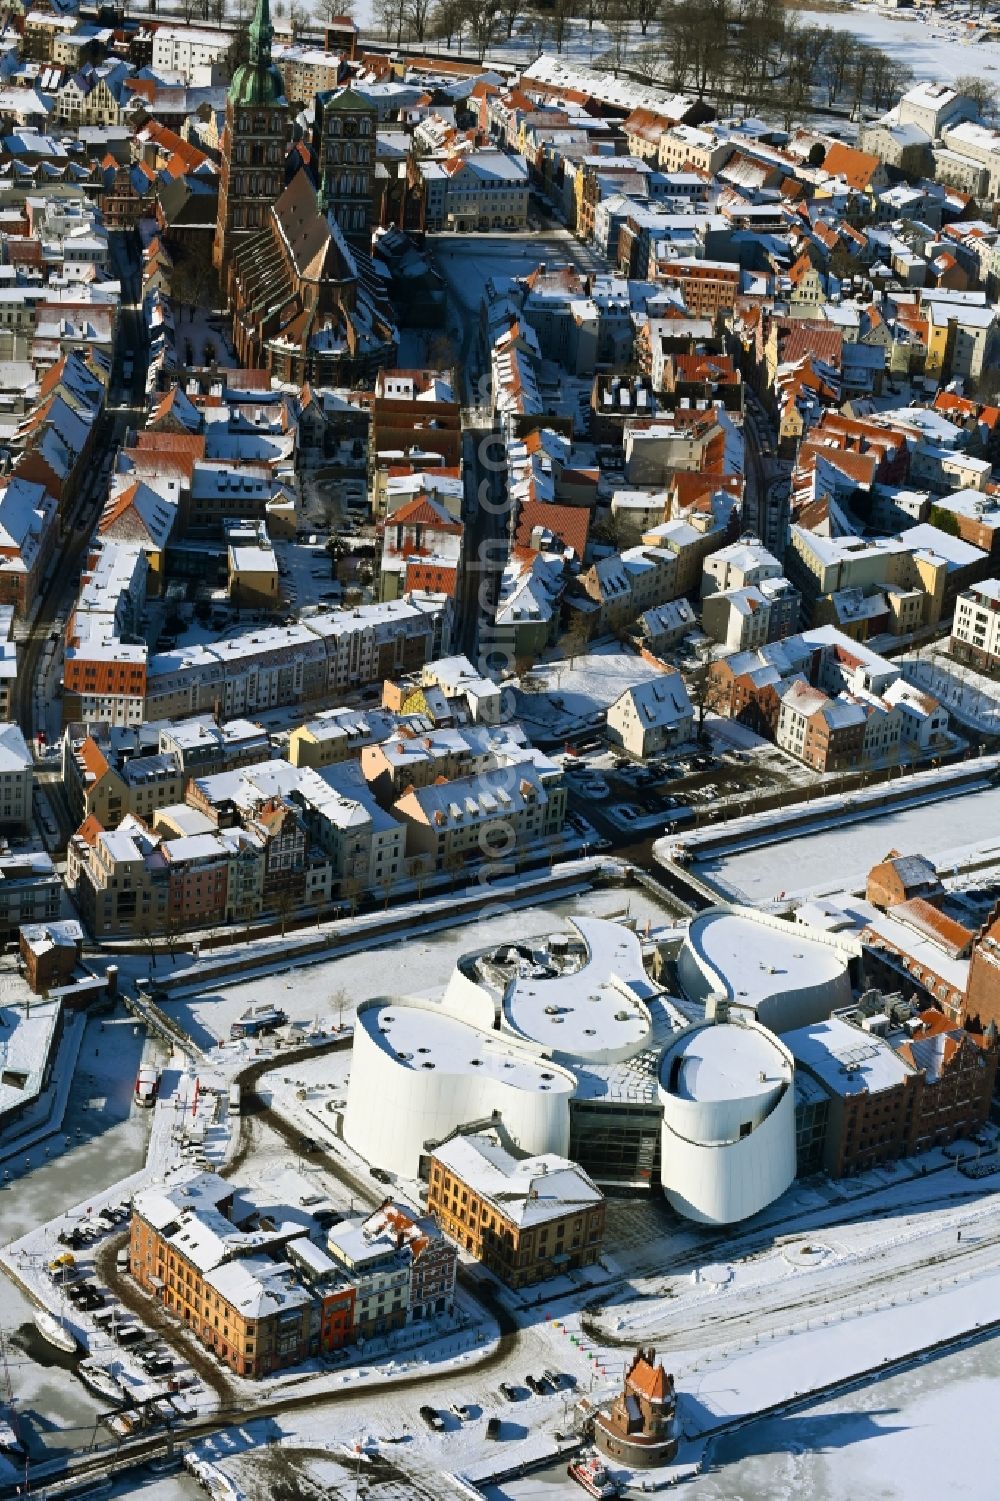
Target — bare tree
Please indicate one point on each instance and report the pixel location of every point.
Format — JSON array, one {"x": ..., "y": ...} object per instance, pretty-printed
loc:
[
  {"x": 417, "y": 13},
  {"x": 420, "y": 868},
  {"x": 980, "y": 90},
  {"x": 389, "y": 16},
  {"x": 481, "y": 20},
  {"x": 560, "y": 16},
  {"x": 618, "y": 19},
  {"x": 575, "y": 640},
  {"x": 643, "y": 11},
  {"x": 339, "y": 1002},
  {"x": 705, "y": 689},
  {"x": 839, "y": 54},
  {"x": 509, "y": 11},
  {"x": 448, "y": 20},
  {"x": 332, "y": 10}
]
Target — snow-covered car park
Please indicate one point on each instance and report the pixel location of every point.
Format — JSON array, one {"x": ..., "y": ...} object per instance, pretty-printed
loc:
[
  {"x": 584, "y": 779},
  {"x": 636, "y": 816}
]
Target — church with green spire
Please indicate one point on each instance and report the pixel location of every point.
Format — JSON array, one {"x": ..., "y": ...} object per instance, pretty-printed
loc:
[{"x": 254, "y": 143}]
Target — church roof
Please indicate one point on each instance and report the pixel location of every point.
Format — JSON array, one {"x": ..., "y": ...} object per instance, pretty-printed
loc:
[
  {"x": 345, "y": 98},
  {"x": 307, "y": 233}
]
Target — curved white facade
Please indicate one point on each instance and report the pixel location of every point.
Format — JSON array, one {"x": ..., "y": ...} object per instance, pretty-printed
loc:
[
  {"x": 417, "y": 1073},
  {"x": 787, "y": 974},
  {"x": 728, "y": 1142}
]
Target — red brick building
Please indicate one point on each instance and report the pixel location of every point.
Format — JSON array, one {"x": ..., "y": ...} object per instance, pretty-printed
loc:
[
  {"x": 638, "y": 1428},
  {"x": 982, "y": 997}
]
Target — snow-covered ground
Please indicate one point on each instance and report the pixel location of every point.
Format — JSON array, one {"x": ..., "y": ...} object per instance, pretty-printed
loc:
[
  {"x": 328, "y": 992},
  {"x": 931, "y": 45},
  {"x": 206, "y": 334},
  {"x": 567, "y": 697},
  {"x": 953, "y": 832},
  {"x": 972, "y": 698},
  {"x": 897, "y": 1441}
]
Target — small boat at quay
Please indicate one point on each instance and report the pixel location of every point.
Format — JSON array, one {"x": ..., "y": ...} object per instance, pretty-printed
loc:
[{"x": 52, "y": 1329}]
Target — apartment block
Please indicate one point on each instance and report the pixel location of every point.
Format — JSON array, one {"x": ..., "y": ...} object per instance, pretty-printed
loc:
[
  {"x": 525, "y": 1219},
  {"x": 975, "y": 630},
  {"x": 221, "y": 1265}
]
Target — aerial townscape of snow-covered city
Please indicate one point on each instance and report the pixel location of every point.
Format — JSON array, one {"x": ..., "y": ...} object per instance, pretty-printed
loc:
[{"x": 499, "y": 750}]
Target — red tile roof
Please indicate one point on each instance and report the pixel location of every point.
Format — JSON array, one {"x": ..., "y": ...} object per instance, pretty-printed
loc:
[{"x": 570, "y": 525}]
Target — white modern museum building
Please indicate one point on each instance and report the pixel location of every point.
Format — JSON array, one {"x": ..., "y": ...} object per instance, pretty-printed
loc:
[{"x": 577, "y": 1050}]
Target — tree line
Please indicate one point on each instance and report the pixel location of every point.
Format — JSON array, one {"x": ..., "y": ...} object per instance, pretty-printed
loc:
[{"x": 752, "y": 52}]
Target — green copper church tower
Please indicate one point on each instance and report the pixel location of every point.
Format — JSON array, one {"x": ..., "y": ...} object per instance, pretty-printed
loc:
[{"x": 254, "y": 143}]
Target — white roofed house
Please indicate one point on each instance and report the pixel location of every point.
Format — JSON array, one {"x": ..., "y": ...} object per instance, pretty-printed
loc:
[
  {"x": 405, "y": 759},
  {"x": 459, "y": 680},
  {"x": 524, "y": 1218},
  {"x": 826, "y": 733},
  {"x": 28, "y": 529},
  {"x": 16, "y": 778},
  {"x": 527, "y": 613},
  {"x": 378, "y": 1263},
  {"x": 666, "y": 625},
  {"x": 738, "y": 618},
  {"x": 652, "y": 716},
  {"x": 487, "y": 817},
  {"x": 485, "y": 190},
  {"x": 975, "y": 632},
  {"x": 738, "y": 566},
  {"x": 140, "y": 513},
  {"x": 923, "y": 722}
]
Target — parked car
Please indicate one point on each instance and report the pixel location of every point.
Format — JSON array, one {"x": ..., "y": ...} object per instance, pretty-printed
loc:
[
  {"x": 381, "y": 1174},
  {"x": 510, "y": 1391},
  {"x": 493, "y": 1428}
]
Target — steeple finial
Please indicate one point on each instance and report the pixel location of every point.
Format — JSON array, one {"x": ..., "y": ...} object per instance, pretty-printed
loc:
[{"x": 261, "y": 35}]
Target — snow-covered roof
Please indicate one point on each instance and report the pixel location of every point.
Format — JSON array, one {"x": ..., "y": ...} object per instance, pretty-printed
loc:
[
  {"x": 596, "y": 1011},
  {"x": 846, "y": 1060},
  {"x": 529, "y": 1191},
  {"x": 724, "y": 1062},
  {"x": 419, "y": 1038}
]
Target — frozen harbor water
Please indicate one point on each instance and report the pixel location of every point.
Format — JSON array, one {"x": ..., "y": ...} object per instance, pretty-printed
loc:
[
  {"x": 884, "y": 1440},
  {"x": 330, "y": 990},
  {"x": 927, "y": 44},
  {"x": 839, "y": 859},
  {"x": 103, "y": 1139}
]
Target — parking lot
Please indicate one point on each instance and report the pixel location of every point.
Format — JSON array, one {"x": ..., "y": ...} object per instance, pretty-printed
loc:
[{"x": 625, "y": 801}]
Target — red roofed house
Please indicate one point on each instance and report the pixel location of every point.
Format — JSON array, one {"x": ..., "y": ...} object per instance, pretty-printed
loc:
[
  {"x": 547, "y": 526},
  {"x": 421, "y": 549},
  {"x": 860, "y": 170}
]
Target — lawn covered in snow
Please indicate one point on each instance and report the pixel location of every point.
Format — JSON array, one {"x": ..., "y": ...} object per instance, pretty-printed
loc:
[{"x": 564, "y": 697}]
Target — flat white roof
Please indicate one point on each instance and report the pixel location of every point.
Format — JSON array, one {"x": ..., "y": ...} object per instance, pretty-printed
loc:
[
  {"x": 418, "y": 1039},
  {"x": 846, "y": 1060},
  {"x": 728, "y": 1061},
  {"x": 588, "y": 1010},
  {"x": 756, "y": 959}
]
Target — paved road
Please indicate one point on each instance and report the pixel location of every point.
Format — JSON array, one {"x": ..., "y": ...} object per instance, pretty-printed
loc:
[
  {"x": 466, "y": 262},
  {"x": 486, "y": 541}
]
